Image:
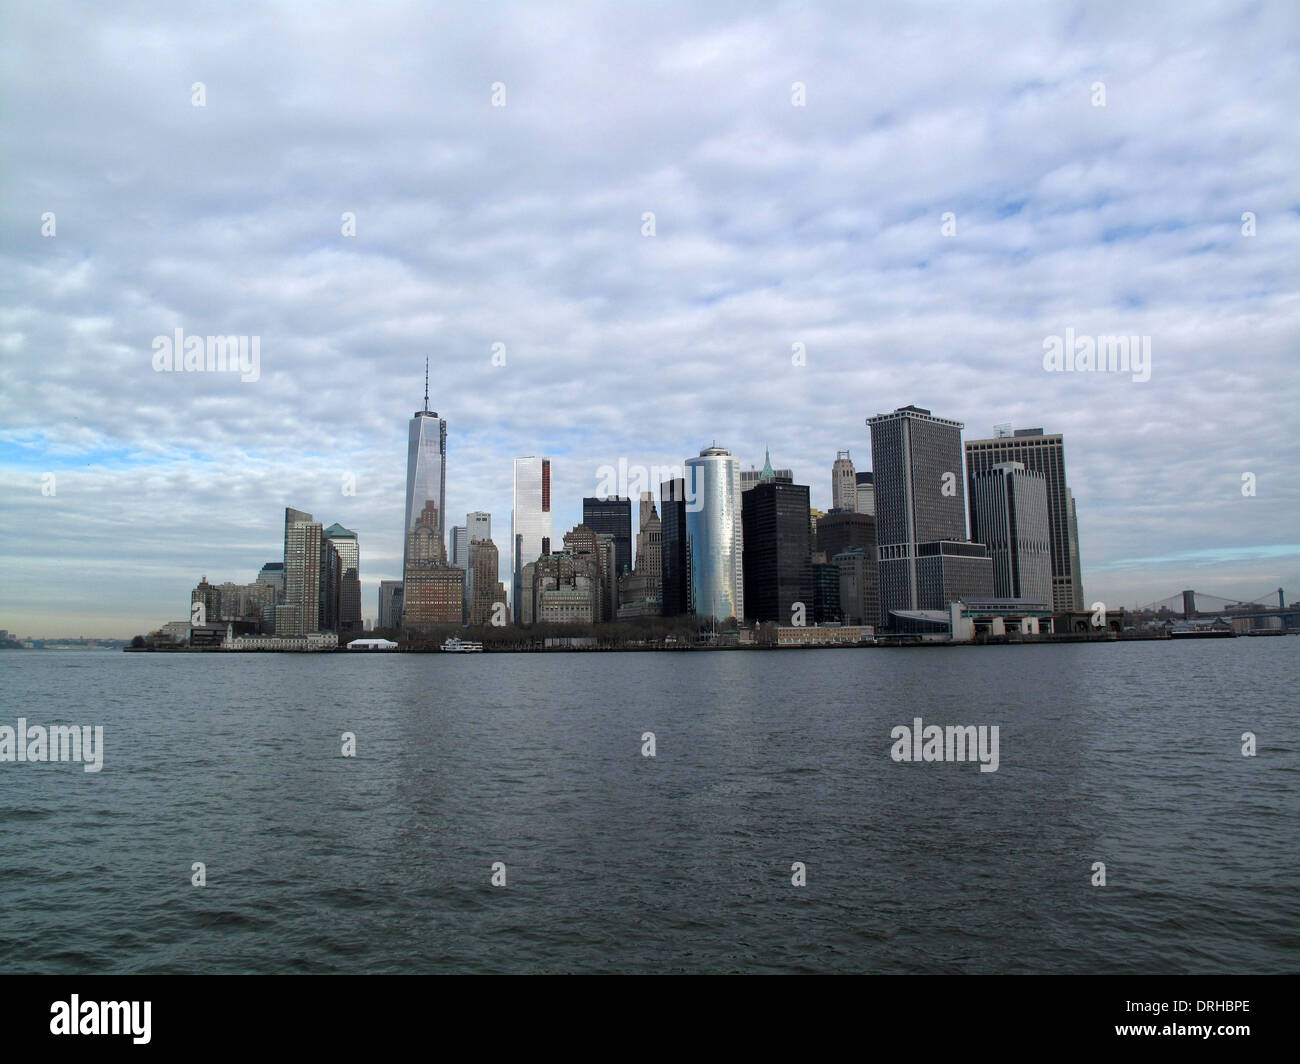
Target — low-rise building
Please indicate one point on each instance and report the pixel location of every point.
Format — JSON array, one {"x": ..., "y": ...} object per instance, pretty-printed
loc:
[{"x": 825, "y": 635}]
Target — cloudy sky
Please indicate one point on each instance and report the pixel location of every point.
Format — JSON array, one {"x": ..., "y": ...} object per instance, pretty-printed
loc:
[{"x": 799, "y": 161}]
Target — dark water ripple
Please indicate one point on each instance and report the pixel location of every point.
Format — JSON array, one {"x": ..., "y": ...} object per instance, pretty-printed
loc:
[{"x": 1127, "y": 754}]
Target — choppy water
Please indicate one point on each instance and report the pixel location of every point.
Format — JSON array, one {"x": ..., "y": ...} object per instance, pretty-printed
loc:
[{"x": 1128, "y": 754}]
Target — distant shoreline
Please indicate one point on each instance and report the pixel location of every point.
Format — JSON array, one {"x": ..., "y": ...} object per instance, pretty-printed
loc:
[{"x": 885, "y": 644}]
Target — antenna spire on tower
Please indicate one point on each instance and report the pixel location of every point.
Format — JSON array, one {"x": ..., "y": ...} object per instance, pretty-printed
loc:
[{"x": 426, "y": 382}]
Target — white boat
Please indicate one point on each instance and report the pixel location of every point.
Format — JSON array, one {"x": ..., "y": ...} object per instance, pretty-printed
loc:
[{"x": 461, "y": 646}]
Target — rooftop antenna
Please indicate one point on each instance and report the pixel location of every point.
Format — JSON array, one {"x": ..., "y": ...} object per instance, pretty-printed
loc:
[{"x": 426, "y": 383}]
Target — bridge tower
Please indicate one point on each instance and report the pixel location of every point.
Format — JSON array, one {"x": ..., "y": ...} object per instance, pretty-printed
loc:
[{"x": 1189, "y": 605}]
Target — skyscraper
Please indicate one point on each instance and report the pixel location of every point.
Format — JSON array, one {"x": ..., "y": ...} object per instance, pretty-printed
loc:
[
  {"x": 612, "y": 516},
  {"x": 331, "y": 580},
  {"x": 1009, "y": 506},
  {"x": 349, "y": 596},
  {"x": 1076, "y": 569},
  {"x": 842, "y": 531},
  {"x": 926, "y": 562},
  {"x": 487, "y": 589},
  {"x": 460, "y": 546},
  {"x": 433, "y": 595},
  {"x": 649, "y": 539},
  {"x": 844, "y": 483},
  {"x": 858, "y": 572},
  {"x": 302, "y": 548},
  {"x": 390, "y": 603},
  {"x": 866, "y": 493},
  {"x": 426, "y": 468},
  {"x": 675, "y": 566},
  {"x": 777, "y": 559},
  {"x": 273, "y": 574},
  {"x": 714, "y": 535},
  {"x": 1039, "y": 453},
  {"x": 640, "y": 593},
  {"x": 479, "y": 525},
  {"x": 530, "y": 520}
]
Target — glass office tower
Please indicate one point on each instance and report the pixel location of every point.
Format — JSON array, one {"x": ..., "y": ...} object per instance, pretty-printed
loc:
[
  {"x": 426, "y": 469},
  {"x": 530, "y": 521},
  {"x": 714, "y": 536}
]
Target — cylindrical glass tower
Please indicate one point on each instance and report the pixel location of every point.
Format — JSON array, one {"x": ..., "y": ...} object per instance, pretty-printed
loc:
[{"x": 713, "y": 535}]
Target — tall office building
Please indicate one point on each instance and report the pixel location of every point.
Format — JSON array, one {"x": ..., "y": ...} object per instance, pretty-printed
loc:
[
  {"x": 331, "y": 580},
  {"x": 826, "y": 594},
  {"x": 844, "y": 483},
  {"x": 487, "y": 588},
  {"x": 460, "y": 546},
  {"x": 1043, "y": 453},
  {"x": 302, "y": 550},
  {"x": 344, "y": 541},
  {"x": 430, "y": 584},
  {"x": 432, "y": 595},
  {"x": 612, "y": 516},
  {"x": 1076, "y": 569},
  {"x": 426, "y": 469},
  {"x": 842, "y": 531},
  {"x": 1009, "y": 506},
  {"x": 390, "y": 603},
  {"x": 777, "y": 559},
  {"x": 607, "y": 558},
  {"x": 866, "y": 493},
  {"x": 858, "y": 602},
  {"x": 649, "y": 539},
  {"x": 715, "y": 536},
  {"x": 675, "y": 565},
  {"x": 460, "y": 552},
  {"x": 479, "y": 525},
  {"x": 565, "y": 587},
  {"x": 273, "y": 574},
  {"x": 640, "y": 592},
  {"x": 925, "y": 561},
  {"x": 530, "y": 521}
]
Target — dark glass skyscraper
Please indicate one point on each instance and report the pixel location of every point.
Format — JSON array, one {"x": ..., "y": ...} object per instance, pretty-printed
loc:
[
  {"x": 675, "y": 559},
  {"x": 777, "y": 558},
  {"x": 612, "y": 516}
]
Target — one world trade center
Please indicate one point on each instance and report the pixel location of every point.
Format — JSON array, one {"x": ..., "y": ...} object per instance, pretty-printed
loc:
[{"x": 426, "y": 472}]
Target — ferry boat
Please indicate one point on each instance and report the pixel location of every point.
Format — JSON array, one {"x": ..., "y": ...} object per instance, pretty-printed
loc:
[
  {"x": 1196, "y": 631},
  {"x": 461, "y": 646}
]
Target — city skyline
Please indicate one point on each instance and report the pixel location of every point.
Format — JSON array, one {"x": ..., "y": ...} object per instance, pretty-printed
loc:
[{"x": 919, "y": 236}]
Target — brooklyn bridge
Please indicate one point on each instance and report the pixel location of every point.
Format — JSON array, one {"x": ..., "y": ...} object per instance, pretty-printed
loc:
[{"x": 1268, "y": 610}]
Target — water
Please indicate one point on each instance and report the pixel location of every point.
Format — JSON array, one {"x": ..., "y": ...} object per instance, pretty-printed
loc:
[{"x": 1128, "y": 754}]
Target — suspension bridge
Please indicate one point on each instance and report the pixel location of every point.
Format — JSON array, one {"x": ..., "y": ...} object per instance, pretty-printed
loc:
[{"x": 1196, "y": 605}]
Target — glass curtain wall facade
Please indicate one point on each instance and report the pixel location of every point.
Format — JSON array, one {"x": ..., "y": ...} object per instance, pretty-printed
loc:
[{"x": 714, "y": 535}]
